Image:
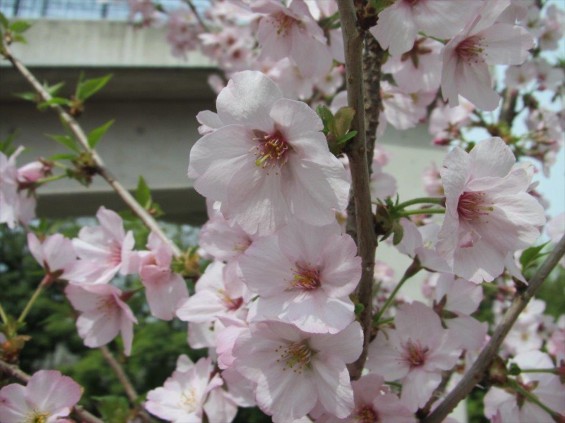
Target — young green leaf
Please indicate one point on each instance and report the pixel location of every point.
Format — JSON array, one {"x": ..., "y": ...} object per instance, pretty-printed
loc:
[
  {"x": 67, "y": 141},
  {"x": 19, "y": 26},
  {"x": 89, "y": 87},
  {"x": 59, "y": 101},
  {"x": 143, "y": 193},
  {"x": 95, "y": 135}
]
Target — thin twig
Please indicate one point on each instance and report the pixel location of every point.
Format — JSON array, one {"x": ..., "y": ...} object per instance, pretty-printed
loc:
[
  {"x": 357, "y": 154},
  {"x": 475, "y": 374},
  {"x": 197, "y": 15},
  {"x": 81, "y": 137},
  {"x": 18, "y": 374},
  {"x": 120, "y": 373}
]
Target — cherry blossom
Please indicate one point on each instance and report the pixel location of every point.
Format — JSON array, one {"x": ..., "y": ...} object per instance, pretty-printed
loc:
[
  {"x": 310, "y": 271},
  {"x": 104, "y": 250},
  {"x": 269, "y": 162},
  {"x": 103, "y": 314},
  {"x": 294, "y": 370},
  {"x": 47, "y": 397},
  {"x": 546, "y": 387},
  {"x": 489, "y": 212},
  {"x": 398, "y": 25},
  {"x": 415, "y": 352},
  {"x": 164, "y": 289},
  {"x": 55, "y": 254},
  {"x": 192, "y": 394},
  {"x": 292, "y": 32},
  {"x": 15, "y": 205},
  {"x": 483, "y": 42}
]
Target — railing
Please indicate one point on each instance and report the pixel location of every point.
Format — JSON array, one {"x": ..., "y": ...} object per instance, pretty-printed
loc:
[{"x": 79, "y": 9}]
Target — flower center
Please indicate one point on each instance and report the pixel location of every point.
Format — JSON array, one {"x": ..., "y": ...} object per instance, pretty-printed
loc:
[
  {"x": 295, "y": 356},
  {"x": 472, "y": 205},
  {"x": 37, "y": 416},
  {"x": 366, "y": 414},
  {"x": 470, "y": 49},
  {"x": 188, "y": 400},
  {"x": 271, "y": 150},
  {"x": 284, "y": 23},
  {"x": 415, "y": 354},
  {"x": 232, "y": 304},
  {"x": 306, "y": 278}
]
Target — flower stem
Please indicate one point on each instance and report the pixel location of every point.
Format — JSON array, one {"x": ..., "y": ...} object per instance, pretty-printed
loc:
[
  {"x": 411, "y": 271},
  {"x": 422, "y": 200},
  {"x": 532, "y": 398},
  {"x": 47, "y": 279},
  {"x": 551, "y": 371},
  {"x": 421, "y": 211},
  {"x": 50, "y": 179}
]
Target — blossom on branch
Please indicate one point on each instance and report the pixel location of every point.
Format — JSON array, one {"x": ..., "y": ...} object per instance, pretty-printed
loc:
[
  {"x": 270, "y": 162},
  {"x": 489, "y": 212},
  {"x": 47, "y": 396}
]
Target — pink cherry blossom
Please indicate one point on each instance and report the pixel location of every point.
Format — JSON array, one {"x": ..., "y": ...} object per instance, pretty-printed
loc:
[
  {"x": 374, "y": 402},
  {"x": 269, "y": 163},
  {"x": 398, "y": 25},
  {"x": 483, "y": 42},
  {"x": 304, "y": 275},
  {"x": 219, "y": 293},
  {"x": 15, "y": 205},
  {"x": 164, "y": 289},
  {"x": 192, "y": 394},
  {"x": 489, "y": 212},
  {"x": 292, "y": 32},
  {"x": 47, "y": 397},
  {"x": 446, "y": 122},
  {"x": 103, "y": 314},
  {"x": 224, "y": 240},
  {"x": 182, "y": 32},
  {"x": 455, "y": 300},
  {"x": 546, "y": 387},
  {"x": 418, "y": 69},
  {"x": 104, "y": 250},
  {"x": 55, "y": 254},
  {"x": 415, "y": 352},
  {"x": 294, "y": 370}
]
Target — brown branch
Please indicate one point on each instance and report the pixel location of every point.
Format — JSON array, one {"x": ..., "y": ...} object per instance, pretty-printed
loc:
[
  {"x": 16, "y": 373},
  {"x": 129, "y": 389},
  {"x": 372, "y": 62},
  {"x": 475, "y": 374},
  {"x": 81, "y": 137},
  {"x": 120, "y": 374},
  {"x": 190, "y": 4},
  {"x": 358, "y": 163},
  {"x": 508, "y": 107}
]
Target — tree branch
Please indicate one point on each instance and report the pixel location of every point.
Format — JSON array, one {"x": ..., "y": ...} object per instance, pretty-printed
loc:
[
  {"x": 18, "y": 374},
  {"x": 357, "y": 154},
  {"x": 190, "y": 4},
  {"x": 475, "y": 374},
  {"x": 118, "y": 370},
  {"x": 81, "y": 137}
]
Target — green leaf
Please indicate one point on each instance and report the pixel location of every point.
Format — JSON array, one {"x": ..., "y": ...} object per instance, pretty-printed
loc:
[
  {"x": 18, "y": 38},
  {"x": 59, "y": 101},
  {"x": 530, "y": 255},
  {"x": 113, "y": 409},
  {"x": 6, "y": 146},
  {"x": 19, "y": 26},
  {"x": 89, "y": 87},
  {"x": 67, "y": 141},
  {"x": 4, "y": 22},
  {"x": 29, "y": 96},
  {"x": 95, "y": 135},
  {"x": 342, "y": 140},
  {"x": 343, "y": 119},
  {"x": 54, "y": 89},
  {"x": 327, "y": 118},
  {"x": 143, "y": 193}
]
